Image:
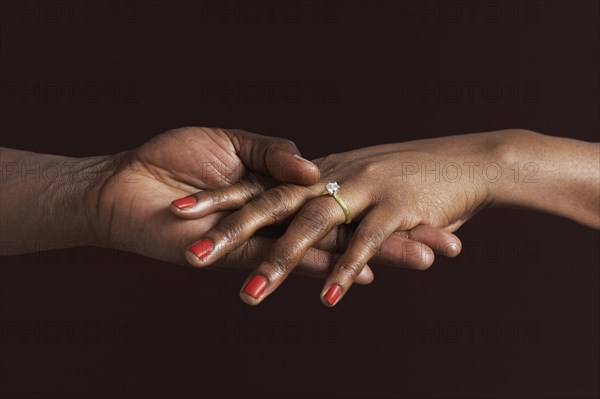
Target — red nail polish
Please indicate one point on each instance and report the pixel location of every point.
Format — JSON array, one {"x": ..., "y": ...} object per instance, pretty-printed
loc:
[
  {"x": 256, "y": 286},
  {"x": 184, "y": 203},
  {"x": 202, "y": 248},
  {"x": 333, "y": 293}
]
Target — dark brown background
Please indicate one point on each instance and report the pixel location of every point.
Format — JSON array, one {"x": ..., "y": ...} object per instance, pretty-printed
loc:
[{"x": 102, "y": 77}]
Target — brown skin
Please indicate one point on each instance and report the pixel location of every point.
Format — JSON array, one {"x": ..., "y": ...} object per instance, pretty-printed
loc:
[
  {"x": 122, "y": 201},
  {"x": 440, "y": 183}
]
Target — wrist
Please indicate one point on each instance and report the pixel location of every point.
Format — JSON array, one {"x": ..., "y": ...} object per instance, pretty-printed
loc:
[
  {"x": 97, "y": 180},
  {"x": 505, "y": 169},
  {"x": 71, "y": 200},
  {"x": 551, "y": 174}
]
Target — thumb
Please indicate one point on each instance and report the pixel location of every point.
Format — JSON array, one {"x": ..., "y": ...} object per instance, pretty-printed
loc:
[{"x": 276, "y": 157}]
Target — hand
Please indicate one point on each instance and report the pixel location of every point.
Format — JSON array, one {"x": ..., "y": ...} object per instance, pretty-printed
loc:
[
  {"x": 131, "y": 212},
  {"x": 387, "y": 188}
]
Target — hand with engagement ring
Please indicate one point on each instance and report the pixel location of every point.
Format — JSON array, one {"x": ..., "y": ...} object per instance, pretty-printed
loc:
[
  {"x": 119, "y": 201},
  {"x": 436, "y": 183}
]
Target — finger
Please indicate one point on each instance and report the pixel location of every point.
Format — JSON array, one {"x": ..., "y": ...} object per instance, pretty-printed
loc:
[
  {"x": 228, "y": 198},
  {"x": 411, "y": 249},
  {"x": 311, "y": 224},
  {"x": 372, "y": 231},
  {"x": 315, "y": 263},
  {"x": 276, "y": 157},
  {"x": 441, "y": 241},
  {"x": 399, "y": 249},
  {"x": 232, "y": 231}
]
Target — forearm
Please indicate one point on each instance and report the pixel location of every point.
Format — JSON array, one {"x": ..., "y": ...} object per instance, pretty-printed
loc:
[
  {"x": 552, "y": 174},
  {"x": 47, "y": 200}
]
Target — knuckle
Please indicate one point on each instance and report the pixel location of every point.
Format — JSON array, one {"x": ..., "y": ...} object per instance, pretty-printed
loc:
[
  {"x": 350, "y": 270},
  {"x": 246, "y": 192},
  {"x": 217, "y": 197},
  {"x": 316, "y": 216},
  {"x": 257, "y": 184},
  {"x": 229, "y": 231},
  {"x": 248, "y": 188},
  {"x": 281, "y": 144},
  {"x": 273, "y": 202},
  {"x": 367, "y": 168}
]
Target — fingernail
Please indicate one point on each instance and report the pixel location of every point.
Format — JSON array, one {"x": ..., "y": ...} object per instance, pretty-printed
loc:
[
  {"x": 303, "y": 159},
  {"x": 184, "y": 203},
  {"x": 256, "y": 286},
  {"x": 333, "y": 293},
  {"x": 452, "y": 249},
  {"x": 202, "y": 248}
]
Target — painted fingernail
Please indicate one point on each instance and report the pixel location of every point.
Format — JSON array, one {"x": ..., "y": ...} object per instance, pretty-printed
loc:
[
  {"x": 202, "y": 248},
  {"x": 333, "y": 293},
  {"x": 256, "y": 286},
  {"x": 184, "y": 203}
]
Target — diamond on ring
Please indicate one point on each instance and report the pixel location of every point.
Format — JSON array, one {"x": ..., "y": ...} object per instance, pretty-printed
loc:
[{"x": 332, "y": 188}]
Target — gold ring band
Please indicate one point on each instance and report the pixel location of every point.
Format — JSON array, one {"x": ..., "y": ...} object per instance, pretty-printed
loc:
[{"x": 333, "y": 193}]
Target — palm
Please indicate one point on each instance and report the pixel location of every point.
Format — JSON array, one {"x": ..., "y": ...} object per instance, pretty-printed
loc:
[{"x": 170, "y": 166}]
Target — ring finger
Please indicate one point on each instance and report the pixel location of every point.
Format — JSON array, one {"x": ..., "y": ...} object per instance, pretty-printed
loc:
[{"x": 314, "y": 220}]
